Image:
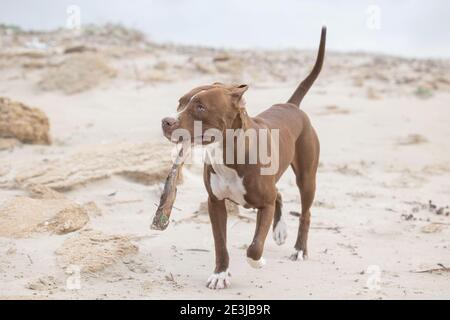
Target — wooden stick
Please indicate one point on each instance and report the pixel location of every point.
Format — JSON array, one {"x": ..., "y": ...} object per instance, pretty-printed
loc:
[{"x": 162, "y": 215}]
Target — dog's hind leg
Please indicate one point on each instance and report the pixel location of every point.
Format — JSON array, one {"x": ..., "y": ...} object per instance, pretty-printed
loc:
[
  {"x": 307, "y": 189},
  {"x": 305, "y": 165},
  {"x": 279, "y": 226}
]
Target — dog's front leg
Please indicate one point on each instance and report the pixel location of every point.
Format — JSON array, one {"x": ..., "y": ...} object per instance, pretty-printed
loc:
[
  {"x": 263, "y": 223},
  {"x": 221, "y": 277}
]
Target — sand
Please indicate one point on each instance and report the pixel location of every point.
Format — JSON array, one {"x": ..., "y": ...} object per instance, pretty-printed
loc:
[
  {"x": 77, "y": 73},
  {"x": 383, "y": 123}
]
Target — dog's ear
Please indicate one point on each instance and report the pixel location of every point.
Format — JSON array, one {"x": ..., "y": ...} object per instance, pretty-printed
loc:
[{"x": 237, "y": 93}]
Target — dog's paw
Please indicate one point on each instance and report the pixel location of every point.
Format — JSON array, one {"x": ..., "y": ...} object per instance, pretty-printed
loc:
[
  {"x": 298, "y": 255},
  {"x": 280, "y": 232},
  {"x": 257, "y": 264},
  {"x": 218, "y": 281}
]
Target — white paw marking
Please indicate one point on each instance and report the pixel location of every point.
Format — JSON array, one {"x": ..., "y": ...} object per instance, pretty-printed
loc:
[
  {"x": 257, "y": 264},
  {"x": 280, "y": 232},
  {"x": 220, "y": 280},
  {"x": 298, "y": 256}
]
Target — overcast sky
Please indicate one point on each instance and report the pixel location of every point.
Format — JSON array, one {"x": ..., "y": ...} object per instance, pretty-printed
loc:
[{"x": 405, "y": 27}]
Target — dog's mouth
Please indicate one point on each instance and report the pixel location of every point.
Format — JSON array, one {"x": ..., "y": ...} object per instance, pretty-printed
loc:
[
  {"x": 203, "y": 139},
  {"x": 192, "y": 135}
]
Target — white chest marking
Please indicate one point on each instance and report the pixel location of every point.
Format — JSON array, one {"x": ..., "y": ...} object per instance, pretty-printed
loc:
[{"x": 225, "y": 182}]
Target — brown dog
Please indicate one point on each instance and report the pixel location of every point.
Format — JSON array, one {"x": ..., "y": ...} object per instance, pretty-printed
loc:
[{"x": 220, "y": 107}]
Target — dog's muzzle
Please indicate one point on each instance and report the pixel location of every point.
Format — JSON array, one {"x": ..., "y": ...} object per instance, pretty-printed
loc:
[{"x": 168, "y": 125}]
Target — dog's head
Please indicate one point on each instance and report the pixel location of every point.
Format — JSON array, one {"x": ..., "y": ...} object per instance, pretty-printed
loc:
[{"x": 216, "y": 107}]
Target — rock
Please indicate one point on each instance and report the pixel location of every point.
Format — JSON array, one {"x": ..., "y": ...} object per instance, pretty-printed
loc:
[
  {"x": 148, "y": 162},
  {"x": 93, "y": 251},
  {"x": 23, "y": 216},
  {"x": 20, "y": 122}
]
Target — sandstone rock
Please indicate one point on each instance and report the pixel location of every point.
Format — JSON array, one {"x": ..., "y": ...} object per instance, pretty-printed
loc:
[
  {"x": 93, "y": 251},
  {"x": 22, "y": 216},
  {"x": 148, "y": 162},
  {"x": 18, "y": 121}
]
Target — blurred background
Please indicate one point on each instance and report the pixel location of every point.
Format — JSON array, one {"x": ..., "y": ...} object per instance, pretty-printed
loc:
[{"x": 413, "y": 28}]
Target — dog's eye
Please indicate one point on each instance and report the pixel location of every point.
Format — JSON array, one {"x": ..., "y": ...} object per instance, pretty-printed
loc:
[{"x": 201, "y": 108}]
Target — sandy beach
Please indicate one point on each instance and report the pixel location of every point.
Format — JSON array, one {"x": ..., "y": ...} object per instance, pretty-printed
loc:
[{"x": 81, "y": 176}]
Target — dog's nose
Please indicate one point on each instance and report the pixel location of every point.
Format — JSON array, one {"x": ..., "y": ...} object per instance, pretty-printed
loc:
[{"x": 168, "y": 122}]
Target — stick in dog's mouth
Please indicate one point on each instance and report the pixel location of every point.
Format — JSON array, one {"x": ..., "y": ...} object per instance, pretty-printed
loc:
[{"x": 162, "y": 215}]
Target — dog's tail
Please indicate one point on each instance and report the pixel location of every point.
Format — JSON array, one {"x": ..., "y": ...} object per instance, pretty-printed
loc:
[{"x": 306, "y": 84}]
